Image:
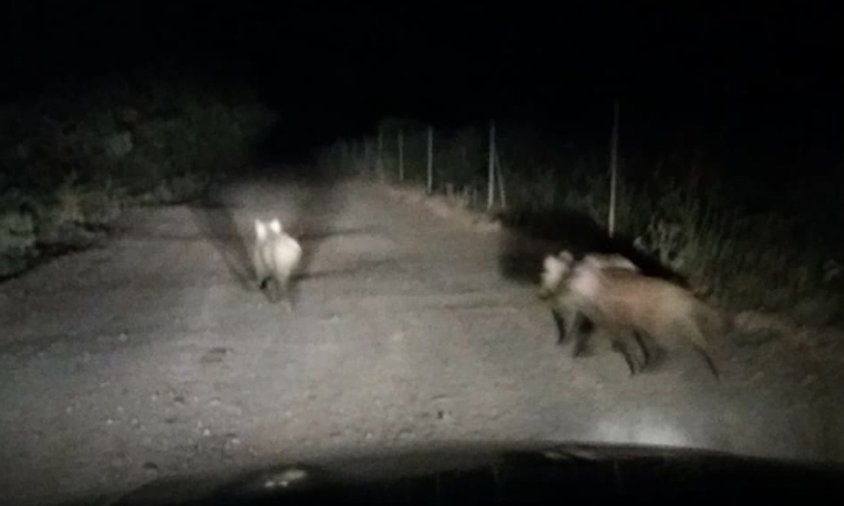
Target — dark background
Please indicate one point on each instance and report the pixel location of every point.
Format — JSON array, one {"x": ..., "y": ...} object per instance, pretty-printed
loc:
[{"x": 755, "y": 82}]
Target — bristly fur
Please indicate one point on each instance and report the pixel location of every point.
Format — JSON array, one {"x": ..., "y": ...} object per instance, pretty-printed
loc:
[
  {"x": 277, "y": 258},
  {"x": 569, "y": 319},
  {"x": 667, "y": 314},
  {"x": 612, "y": 295}
]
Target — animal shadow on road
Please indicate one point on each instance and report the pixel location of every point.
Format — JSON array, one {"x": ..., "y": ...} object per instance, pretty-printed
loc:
[
  {"x": 311, "y": 224},
  {"x": 216, "y": 223},
  {"x": 536, "y": 234}
]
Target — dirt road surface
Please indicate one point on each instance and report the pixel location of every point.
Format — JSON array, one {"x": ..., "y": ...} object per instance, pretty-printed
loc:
[{"x": 152, "y": 356}]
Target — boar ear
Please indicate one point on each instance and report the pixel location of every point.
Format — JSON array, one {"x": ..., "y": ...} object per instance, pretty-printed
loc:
[
  {"x": 275, "y": 226},
  {"x": 550, "y": 262},
  {"x": 566, "y": 257},
  {"x": 260, "y": 230}
]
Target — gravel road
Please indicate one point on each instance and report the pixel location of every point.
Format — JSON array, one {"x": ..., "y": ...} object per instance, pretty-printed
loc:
[{"x": 151, "y": 356}]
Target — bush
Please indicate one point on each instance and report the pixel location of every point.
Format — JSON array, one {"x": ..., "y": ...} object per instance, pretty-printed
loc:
[
  {"x": 77, "y": 156},
  {"x": 718, "y": 233},
  {"x": 17, "y": 241}
]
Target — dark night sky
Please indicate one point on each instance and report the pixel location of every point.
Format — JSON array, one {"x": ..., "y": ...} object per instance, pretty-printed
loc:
[{"x": 766, "y": 67}]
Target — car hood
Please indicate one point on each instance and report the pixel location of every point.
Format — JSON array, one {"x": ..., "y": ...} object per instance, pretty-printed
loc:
[{"x": 507, "y": 474}]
